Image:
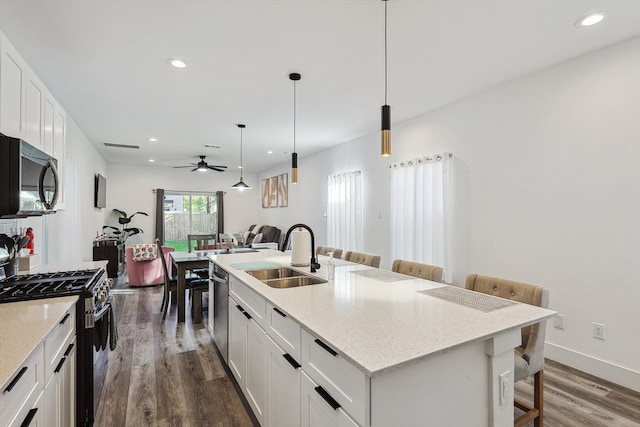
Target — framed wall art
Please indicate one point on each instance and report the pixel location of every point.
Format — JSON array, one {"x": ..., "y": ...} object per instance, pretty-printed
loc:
[
  {"x": 265, "y": 192},
  {"x": 273, "y": 192},
  {"x": 283, "y": 190}
]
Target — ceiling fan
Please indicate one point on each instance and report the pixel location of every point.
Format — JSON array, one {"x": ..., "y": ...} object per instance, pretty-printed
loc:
[{"x": 202, "y": 166}]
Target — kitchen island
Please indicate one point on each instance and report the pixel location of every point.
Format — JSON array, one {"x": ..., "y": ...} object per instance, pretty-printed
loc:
[{"x": 405, "y": 358}]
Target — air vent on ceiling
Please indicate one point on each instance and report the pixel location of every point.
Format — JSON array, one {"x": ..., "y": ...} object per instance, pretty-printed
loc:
[
  {"x": 211, "y": 146},
  {"x": 134, "y": 147}
]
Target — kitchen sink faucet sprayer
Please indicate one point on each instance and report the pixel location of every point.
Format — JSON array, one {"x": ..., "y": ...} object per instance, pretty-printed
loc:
[{"x": 313, "y": 263}]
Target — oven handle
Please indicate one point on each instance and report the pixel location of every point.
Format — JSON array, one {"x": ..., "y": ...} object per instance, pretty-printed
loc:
[{"x": 90, "y": 318}]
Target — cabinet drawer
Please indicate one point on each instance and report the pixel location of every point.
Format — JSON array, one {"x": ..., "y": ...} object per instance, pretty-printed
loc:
[
  {"x": 56, "y": 343},
  {"x": 284, "y": 331},
  {"x": 250, "y": 301},
  {"x": 347, "y": 384},
  {"x": 25, "y": 385},
  {"x": 318, "y": 408}
]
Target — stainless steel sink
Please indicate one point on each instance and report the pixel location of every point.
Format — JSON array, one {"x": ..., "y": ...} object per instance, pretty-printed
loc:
[
  {"x": 284, "y": 277},
  {"x": 274, "y": 273},
  {"x": 293, "y": 282}
]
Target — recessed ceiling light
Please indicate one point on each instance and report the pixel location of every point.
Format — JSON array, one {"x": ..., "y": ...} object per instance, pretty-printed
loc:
[
  {"x": 178, "y": 63},
  {"x": 591, "y": 19},
  {"x": 153, "y": 139},
  {"x": 269, "y": 152},
  {"x": 151, "y": 160}
]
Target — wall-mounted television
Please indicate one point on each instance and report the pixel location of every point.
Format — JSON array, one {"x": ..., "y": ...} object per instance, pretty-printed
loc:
[{"x": 101, "y": 192}]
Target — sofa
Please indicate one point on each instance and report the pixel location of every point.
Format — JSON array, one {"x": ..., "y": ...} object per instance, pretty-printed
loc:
[
  {"x": 263, "y": 234},
  {"x": 146, "y": 273}
]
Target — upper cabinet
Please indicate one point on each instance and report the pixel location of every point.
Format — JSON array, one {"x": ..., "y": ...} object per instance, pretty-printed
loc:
[
  {"x": 28, "y": 110},
  {"x": 13, "y": 83},
  {"x": 34, "y": 109}
]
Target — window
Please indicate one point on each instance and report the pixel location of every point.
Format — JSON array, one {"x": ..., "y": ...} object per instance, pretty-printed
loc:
[
  {"x": 421, "y": 211},
  {"x": 344, "y": 211},
  {"x": 188, "y": 213}
]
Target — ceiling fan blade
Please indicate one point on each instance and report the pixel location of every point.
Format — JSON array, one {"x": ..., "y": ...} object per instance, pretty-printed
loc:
[
  {"x": 215, "y": 167},
  {"x": 194, "y": 169},
  {"x": 218, "y": 170},
  {"x": 175, "y": 167}
]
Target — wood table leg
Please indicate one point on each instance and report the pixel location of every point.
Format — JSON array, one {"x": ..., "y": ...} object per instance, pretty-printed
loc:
[{"x": 181, "y": 290}]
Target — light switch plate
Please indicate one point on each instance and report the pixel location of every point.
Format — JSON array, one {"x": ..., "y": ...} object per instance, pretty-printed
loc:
[{"x": 505, "y": 387}]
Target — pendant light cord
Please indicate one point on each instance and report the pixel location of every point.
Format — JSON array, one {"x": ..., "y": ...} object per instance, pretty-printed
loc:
[
  {"x": 294, "y": 116},
  {"x": 241, "y": 166},
  {"x": 385, "y": 51}
]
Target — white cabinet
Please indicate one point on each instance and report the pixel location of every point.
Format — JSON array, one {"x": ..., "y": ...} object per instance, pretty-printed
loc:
[
  {"x": 22, "y": 391},
  {"x": 13, "y": 79},
  {"x": 248, "y": 358},
  {"x": 34, "y": 110},
  {"x": 283, "y": 388},
  {"x": 32, "y": 415},
  {"x": 284, "y": 331},
  {"x": 237, "y": 342},
  {"x": 256, "y": 373},
  {"x": 319, "y": 409},
  {"x": 48, "y": 115},
  {"x": 60, "y": 368},
  {"x": 339, "y": 377}
]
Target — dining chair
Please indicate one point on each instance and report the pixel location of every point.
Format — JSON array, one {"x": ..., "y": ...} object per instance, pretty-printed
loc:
[
  {"x": 171, "y": 282},
  {"x": 416, "y": 269},
  {"x": 529, "y": 356},
  {"x": 324, "y": 250},
  {"x": 201, "y": 242},
  {"x": 362, "y": 258}
]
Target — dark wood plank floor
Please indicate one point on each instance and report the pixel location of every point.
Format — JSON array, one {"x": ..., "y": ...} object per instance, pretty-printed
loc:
[
  {"x": 163, "y": 373},
  {"x": 168, "y": 374}
]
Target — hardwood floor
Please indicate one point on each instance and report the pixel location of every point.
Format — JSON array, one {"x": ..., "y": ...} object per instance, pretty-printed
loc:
[{"x": 164, "y": 374}]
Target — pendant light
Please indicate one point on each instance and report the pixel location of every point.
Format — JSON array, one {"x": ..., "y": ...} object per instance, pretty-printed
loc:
[
  {"x": 294, "y": 156},
  {"x": 241, "y": 185},
  {"x": 385, "y": 148}
]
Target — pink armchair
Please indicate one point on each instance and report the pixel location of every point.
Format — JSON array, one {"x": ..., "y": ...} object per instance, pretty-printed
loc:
[{"x": 146, "y": 273}]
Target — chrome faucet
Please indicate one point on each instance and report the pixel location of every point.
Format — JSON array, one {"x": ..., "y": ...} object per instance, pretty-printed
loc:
[{"x": 313, "y": 263}]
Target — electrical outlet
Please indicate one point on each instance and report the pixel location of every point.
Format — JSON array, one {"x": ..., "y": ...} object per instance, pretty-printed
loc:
[
  {"x": 505, "y": 387},
  {"x": 558, "y": 322},
  {"x": 598, "y": 331}
]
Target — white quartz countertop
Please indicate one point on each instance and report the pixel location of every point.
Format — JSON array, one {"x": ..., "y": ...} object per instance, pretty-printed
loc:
[
  {"x": 380, "y": 325},
  {"x": 23, "y": 326}
]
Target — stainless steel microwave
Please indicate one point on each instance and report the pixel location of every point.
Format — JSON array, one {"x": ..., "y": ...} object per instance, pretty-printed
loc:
[{"x": 29, "y": 182}]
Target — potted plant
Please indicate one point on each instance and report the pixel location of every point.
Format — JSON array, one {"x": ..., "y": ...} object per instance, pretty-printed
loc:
[{"x": 124, "y": 232}]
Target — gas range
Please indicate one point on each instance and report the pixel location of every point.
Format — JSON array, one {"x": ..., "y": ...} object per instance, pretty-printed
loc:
[{"x": 51, "y": 285}]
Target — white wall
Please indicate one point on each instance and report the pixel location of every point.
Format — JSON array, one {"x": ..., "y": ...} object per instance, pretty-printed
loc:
[
  {"x": 129, "y": 188},
  {"x": 546, "y": 192},
  {"x": 66, "y": 237}
]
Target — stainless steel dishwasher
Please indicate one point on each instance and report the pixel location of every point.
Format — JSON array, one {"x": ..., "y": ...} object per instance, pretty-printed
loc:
[{"x": 219, "y": 279}]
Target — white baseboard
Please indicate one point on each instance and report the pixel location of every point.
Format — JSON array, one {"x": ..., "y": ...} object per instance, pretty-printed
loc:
[{"x": 617, "y": 374}]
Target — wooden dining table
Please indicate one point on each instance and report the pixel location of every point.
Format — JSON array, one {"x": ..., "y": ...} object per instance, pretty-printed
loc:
[{"x": 183, "y": 262}]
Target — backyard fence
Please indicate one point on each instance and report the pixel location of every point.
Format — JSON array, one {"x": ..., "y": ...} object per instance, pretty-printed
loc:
[{"x": 177, "y": 225}]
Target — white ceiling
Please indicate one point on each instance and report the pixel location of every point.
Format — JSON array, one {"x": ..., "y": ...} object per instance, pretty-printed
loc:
[{"x": 106, "y": 62}]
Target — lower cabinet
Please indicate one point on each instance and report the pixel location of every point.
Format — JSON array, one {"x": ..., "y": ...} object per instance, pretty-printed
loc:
[
  {"x": 318, "y": 409},
  {"x": 60, "y": 391},
  {"x": 248, "y": 358},
  {"x": 283, "y": 388}
]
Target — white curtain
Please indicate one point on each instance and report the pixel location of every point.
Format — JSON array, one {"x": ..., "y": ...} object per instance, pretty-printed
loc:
[
  {"x": 344, "y": 211},
  {"x": 421, "y": 216}
]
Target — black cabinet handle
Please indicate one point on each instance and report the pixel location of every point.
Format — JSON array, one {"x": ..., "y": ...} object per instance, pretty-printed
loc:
[
  {"x": 240, "y": 308},
  {"x": 279, "y": 312},
  {"x": 64, "y": 319},
  {"x": 327, "y": 397},
  {"x": 29, "y": 417},
  {"x": 66, "y": 353},
  {"x": 291, "y": 360},
  {"x": 60, "y": 363},
  {"x": 326, "y": 347},
  {"x": 14, "y": 381},
  {"x": 247, "y": 315}
]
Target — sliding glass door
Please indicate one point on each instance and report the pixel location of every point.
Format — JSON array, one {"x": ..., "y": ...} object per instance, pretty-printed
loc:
[{"x": 188, "y": 213}]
